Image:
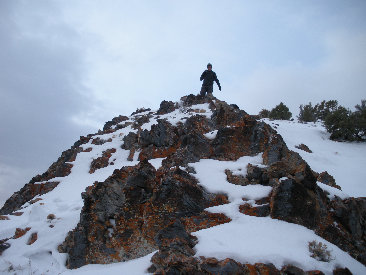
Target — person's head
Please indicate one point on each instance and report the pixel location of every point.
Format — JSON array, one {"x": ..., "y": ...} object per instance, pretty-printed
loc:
[{"x": 209, "y": 66}]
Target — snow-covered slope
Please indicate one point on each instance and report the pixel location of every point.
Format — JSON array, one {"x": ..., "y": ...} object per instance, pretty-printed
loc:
[
  {"x": 345, "y": 161},
  {"x": 246, "y": 239}
]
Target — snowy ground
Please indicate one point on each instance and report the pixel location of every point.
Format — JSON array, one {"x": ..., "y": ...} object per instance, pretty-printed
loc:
[
  {"x": 250, "y": 239},
  {"x": 345, "y": 161},
  {"x": 246, "y": 239}
]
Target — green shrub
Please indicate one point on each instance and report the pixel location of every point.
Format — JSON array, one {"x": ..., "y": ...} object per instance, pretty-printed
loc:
[
  {"x": 324, "y": 108},
  {"x": 281, "y": 111},
  {"x": 307, "y": 113},
  {"x": 360, "y": 120},
  {"x": 340, "y": 124},
  {"x": 264, "y": 113}
]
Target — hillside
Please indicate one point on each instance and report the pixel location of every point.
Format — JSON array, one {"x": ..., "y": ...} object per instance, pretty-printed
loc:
[{"x": 196, "y": 187}]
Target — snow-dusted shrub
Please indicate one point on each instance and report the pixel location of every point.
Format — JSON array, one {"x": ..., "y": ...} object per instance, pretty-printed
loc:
[
  {"x": 264, "y": 113},
  {"x": 319, "y": 251},
  {"x": 281, "y": 111}
]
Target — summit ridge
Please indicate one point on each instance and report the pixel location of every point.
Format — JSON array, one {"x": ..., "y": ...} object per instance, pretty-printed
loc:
[{"x": 195, "y": 187}]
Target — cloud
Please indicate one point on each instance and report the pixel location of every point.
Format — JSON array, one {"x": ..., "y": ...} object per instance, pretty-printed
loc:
[
  {"x": 12, "y": 178},
  {"x": 41, "y": 84},
  {"x": 338, "y": 75}
]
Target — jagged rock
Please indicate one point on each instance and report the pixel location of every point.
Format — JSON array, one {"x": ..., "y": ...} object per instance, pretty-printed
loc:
[
  {"x": 166, "y": 107},
  {"x": 108, "y": 125},
  {"x": 139, "y": 209},
  {"x": 291, "y": 201},
  {"x": 27, "y": 193},
  {"x": 122, "y": 216},
  {"x": 102, "y": 161},
  {"x": 255, "y": 175},
  {"x": 33, "y": 238},
  {"x": 161, "y": 135},
  {"x": 140, "y": 110},
  {"x": 327, "y": 179},
  {"x": 304, "y": 148},
  {"x": 100, "y": 141},
  {"x": 129, "y": 141},
  {"x": 20, "y": 232},
  {"x": 4, "y": 245},
  {"x": 258, "y": 211},
  {"x": 140, "y": 120}
]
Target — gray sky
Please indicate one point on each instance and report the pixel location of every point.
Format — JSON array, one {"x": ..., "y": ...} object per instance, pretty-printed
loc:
[{"x": 69, "y": 66}]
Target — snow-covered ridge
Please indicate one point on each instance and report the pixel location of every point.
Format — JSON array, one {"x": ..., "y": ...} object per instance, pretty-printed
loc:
[{"x": 247, "y": 239}]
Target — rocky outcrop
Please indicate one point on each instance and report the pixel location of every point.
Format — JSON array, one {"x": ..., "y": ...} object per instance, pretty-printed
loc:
[
  {"x": 140, "y": 209},
  {"x": 122, "y": 216},
  {"x": 102, "y": 161},
  {"x": 27, "y": 193},
  {"x": 126, "y": 216}
]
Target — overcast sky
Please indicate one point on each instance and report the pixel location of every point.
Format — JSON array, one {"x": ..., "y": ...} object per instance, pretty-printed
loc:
[{"x": 66, "y": 67}]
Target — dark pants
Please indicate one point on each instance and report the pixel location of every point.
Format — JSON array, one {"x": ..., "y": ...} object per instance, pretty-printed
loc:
[{"x": 206, "y": 89}]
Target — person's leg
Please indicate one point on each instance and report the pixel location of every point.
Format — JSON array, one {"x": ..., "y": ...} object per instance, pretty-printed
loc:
[
  {"x": 210, "y": 91},
  {"x": 203, "y": 91}
]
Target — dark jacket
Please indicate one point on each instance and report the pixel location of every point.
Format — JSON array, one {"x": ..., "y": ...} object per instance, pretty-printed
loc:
[{"x": 208, "y": 78}]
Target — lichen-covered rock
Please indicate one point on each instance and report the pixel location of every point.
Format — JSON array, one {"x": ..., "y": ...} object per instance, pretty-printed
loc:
[
  {"x": 166, "y": 107},
  {"x": 102, "y": 161},
  {"x": 122, "y": 216},
  {"x": 25, "y": 194},
  {"x": 304, "y": 148}
]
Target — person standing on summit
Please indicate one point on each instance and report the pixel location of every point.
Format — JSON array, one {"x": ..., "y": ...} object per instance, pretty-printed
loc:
[{"x": 208, "y": 77}]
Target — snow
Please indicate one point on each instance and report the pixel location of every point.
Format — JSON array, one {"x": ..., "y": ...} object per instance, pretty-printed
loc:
[
  {"x": 345, "y": 161},
  {"x": 211, "y": 135},
  {"x": 212, "y": 176},
  {"x": 156, "y": 162},
  {"x": 133, "y": 267},
  {"x": 332, "y": 191},
  {"x": 179, "y": 115},
  {"x": 246, "y": 239},
  {"x": 252, "y": 240},
  {"x": 65, "y": 202}
]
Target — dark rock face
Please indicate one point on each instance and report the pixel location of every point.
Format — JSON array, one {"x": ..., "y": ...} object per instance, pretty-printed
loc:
[
  {"x": 27, "y": 193},
  {"x": 3, "y": 245},
  {"x": 108, "y": 125},
  {"x": 122, "y": 216},
  {"x": 327, "y": 179},
  {"x": 102, "y": 161},
  {"x": 166, "y": 107},
  {"x": 303, "y": 147},
  {"x": 293, "y": 202}
]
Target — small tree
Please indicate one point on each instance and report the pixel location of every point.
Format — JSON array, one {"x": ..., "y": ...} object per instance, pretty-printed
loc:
[
  {"x": 340, "y": 124},
  {"x": 307, "y": 113},
  {"x": 281, "y": 111},
  {"x": 264, "y": 113},
  {"x": 324, "y": 108},
  {"x": 360, "y": 120}
]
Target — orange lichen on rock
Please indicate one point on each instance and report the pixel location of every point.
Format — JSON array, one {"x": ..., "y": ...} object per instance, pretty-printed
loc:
[
  {"x": 33, "y": 237},
  {"x": 102, "y": 161},
  {"x": 20, "y": 232}
]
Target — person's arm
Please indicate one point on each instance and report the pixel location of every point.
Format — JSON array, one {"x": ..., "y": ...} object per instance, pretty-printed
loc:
[
  {"x": 217, "y": 81},
  {"x": 202, "y": 75}
]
